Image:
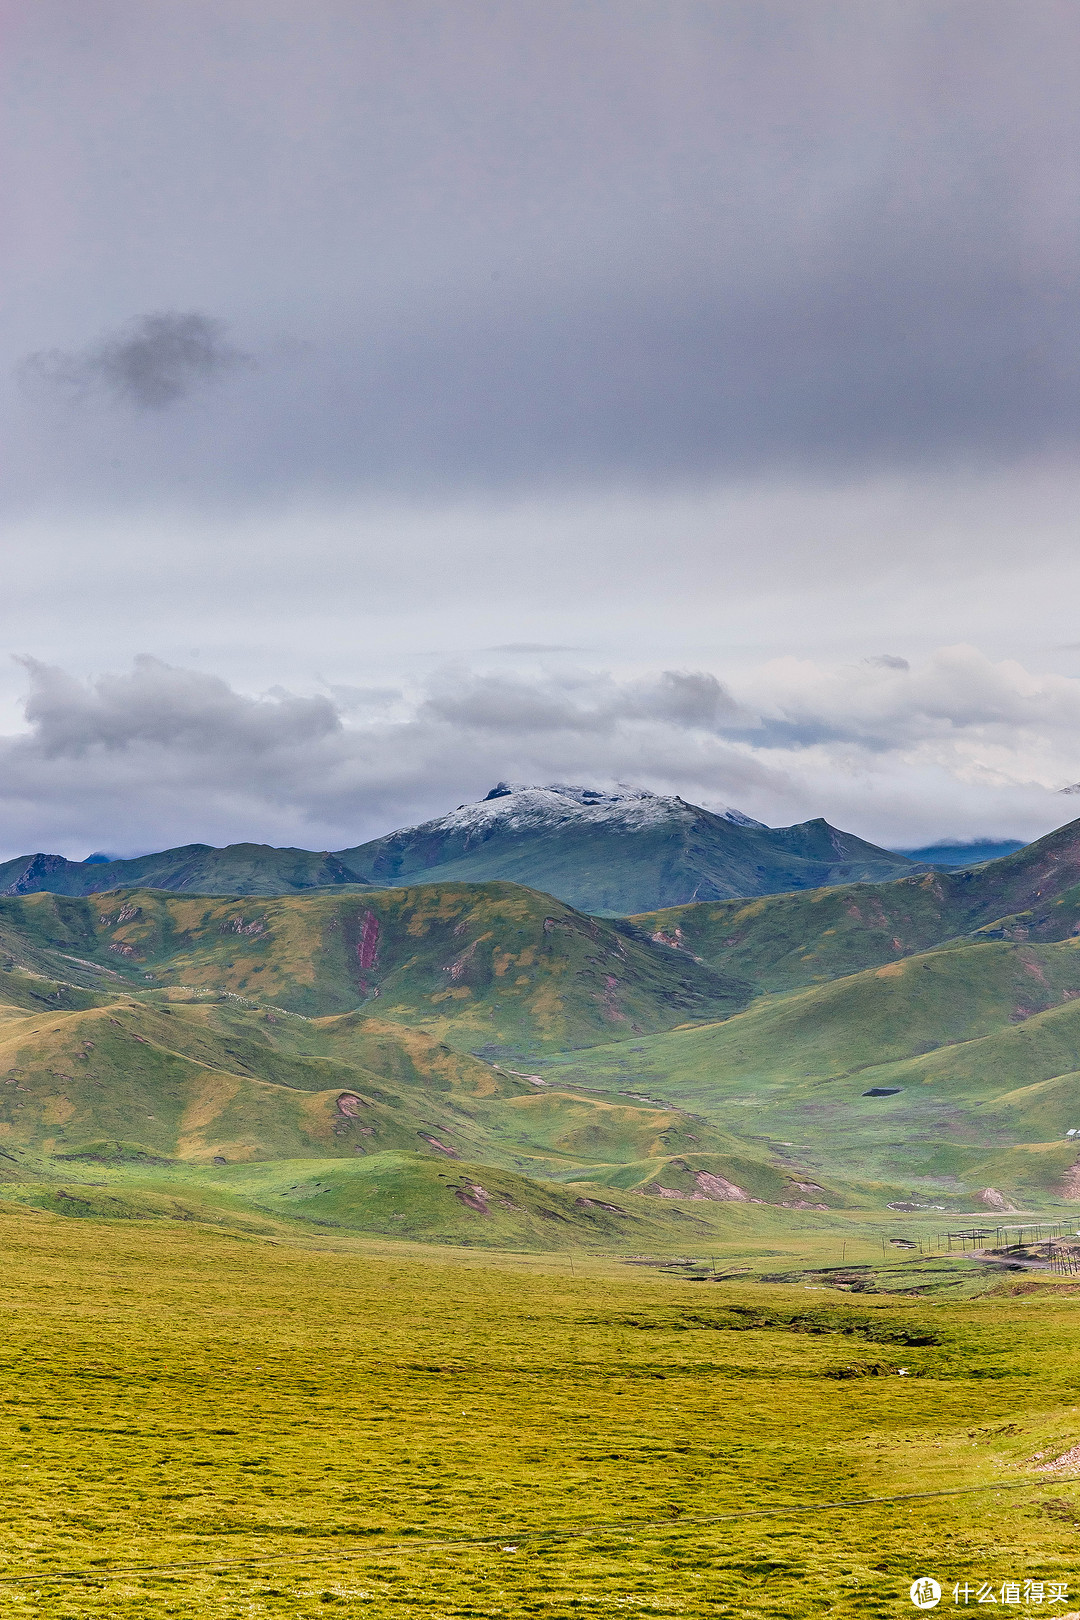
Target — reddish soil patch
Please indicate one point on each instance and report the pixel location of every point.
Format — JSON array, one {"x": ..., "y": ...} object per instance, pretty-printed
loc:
[
  {"x": 473, "y": 1197},
  {"x": 368, "y": 948},
  {"x": 435, "y": 1143}
]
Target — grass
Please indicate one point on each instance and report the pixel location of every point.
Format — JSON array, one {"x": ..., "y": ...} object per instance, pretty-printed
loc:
[
  {"x": 314, "y": 1296},
  {"x": 427, "y": 1199},
  {"x": 784, "y": 941},
  {"x": 980, "y": 1046},
  {"x": 497, "y": 967},
  {"x": 421, "y": 1433}
]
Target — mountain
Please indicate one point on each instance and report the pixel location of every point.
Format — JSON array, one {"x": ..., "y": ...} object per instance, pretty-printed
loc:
[
  {"x": 604, "y": 853},
  {"x": 614, "y": 853},
  {"x": 953, "y": 855},
  {"x": 478, "y": 1062},
  {"x": 237, "y": 869}
]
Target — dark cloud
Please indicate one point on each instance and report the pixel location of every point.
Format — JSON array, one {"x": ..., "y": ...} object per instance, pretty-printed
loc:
[
  {"x": 167, "y": 755},
  {"x": 152, "y": 362},
  {"x": 888, "y": 661},
  {"x": 681, "y": 331}
]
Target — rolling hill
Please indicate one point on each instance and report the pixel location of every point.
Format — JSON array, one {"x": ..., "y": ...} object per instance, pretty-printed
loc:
[
  {"x": 941, "y": 1075},
  {"x": 604, "y": 853},
  {"x": 905, "y": 1043},
  {"x": 184, "y": 1106},
  {"x": 500, "y": 968},
  {"x": 784, "y": 941}
]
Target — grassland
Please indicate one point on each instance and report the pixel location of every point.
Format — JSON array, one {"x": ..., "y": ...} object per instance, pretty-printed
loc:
[
  {"x": 501, "y": 968},
  {"x": 781, "y": 942},
  {"x": 935, "y": 1077},
  {"x": 206, "y": 1425}
]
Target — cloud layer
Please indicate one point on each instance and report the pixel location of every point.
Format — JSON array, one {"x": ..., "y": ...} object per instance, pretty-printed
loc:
[
  {"x": 163, "y": 755},
  {"x": 733, "y": 341},
  {"x": 486, "y": 246}
]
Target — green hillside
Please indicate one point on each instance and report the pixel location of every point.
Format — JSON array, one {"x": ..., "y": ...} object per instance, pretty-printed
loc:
[
  {"x": 397, "y": 1194},
  {"x": 783, "y": 941},
  {"x": 497, "y": 967},
  {"x": 973, "y": 1053},
  {"x": 136, "y": 1082},
  {"x": 723, "y": 1054}
]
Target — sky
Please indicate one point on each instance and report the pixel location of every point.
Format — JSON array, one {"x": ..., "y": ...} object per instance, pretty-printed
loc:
[{"x": 401, "y": 397}]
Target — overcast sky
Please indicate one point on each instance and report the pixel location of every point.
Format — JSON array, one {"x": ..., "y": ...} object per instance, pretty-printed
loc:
[{"x": 402, "y": 396}]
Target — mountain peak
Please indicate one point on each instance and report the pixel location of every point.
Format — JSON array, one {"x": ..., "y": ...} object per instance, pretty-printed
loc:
[{"x": 642, "y": 804}]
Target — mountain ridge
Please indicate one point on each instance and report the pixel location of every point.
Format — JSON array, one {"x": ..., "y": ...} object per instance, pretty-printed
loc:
[
  {"x": 605, "y": 852},
  {"x": 602, "y": 851}
]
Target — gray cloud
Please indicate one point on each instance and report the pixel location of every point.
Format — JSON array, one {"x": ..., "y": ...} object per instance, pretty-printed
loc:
[
  {"x": 163, "y": 755},
  {"x": 174, "y": 709},
  {"x": 682, "y": 334},
  {"x": 583, "y": 703},
  {"x": 663, "y": 243},
  {"x": 888, "y": 661},
  {"x": 152, "y": 362}
]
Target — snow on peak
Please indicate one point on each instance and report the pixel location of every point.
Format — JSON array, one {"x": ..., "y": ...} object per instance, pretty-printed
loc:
[{"x": 522, "y": 804}]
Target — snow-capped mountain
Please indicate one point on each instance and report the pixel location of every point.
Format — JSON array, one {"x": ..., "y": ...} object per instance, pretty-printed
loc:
[
  {"x": 519, "y": 805},
  {"x": 618, "y": 851}
]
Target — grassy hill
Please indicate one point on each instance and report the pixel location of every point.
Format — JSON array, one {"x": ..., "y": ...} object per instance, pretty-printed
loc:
[
  {"x": 915, "y": 1041},
  {"x": 149, "y": 1081},
  {"x": 783, "y": 941},
  {"x": 500, "y": 968},
  {"x": 167, "y": 1083},
  {"x": 943, "y": 1074}
]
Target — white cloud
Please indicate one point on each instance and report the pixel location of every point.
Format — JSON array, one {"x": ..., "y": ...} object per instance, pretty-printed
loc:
[{"x": 955, "y": 746}]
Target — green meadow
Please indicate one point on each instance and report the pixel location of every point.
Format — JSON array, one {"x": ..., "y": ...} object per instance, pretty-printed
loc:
[{"x": 208, "y": 1423}]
